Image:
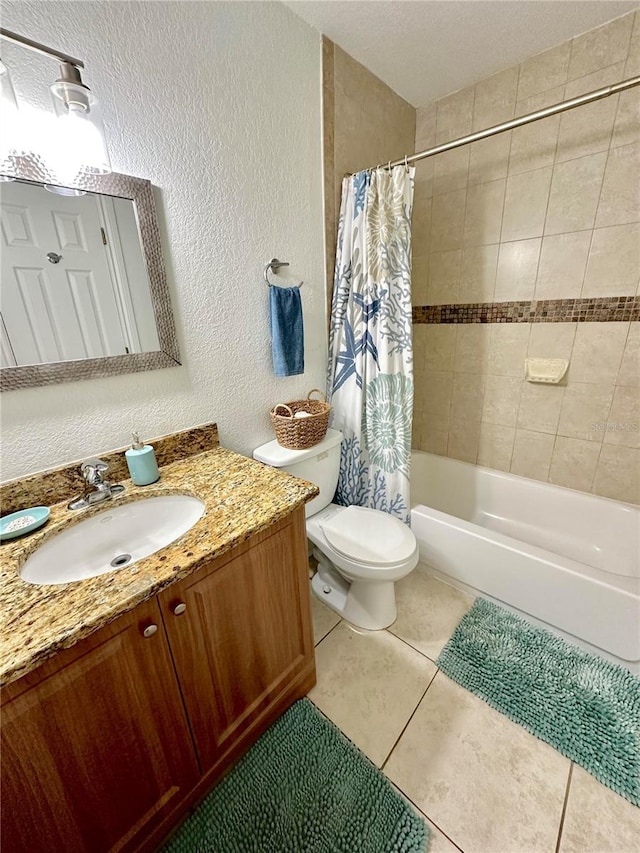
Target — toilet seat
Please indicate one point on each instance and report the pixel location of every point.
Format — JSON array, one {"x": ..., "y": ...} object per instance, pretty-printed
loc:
[
  {"x": 396, "y": 565},
  {"x": 369, "y": 536}
]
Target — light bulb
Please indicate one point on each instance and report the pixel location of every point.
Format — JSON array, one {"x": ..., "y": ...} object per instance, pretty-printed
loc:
[{"x": 80, "y": 147}]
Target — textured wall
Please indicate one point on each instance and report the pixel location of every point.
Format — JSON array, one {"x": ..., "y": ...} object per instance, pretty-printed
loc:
[
  {"x": 218, "y": 104},
  {"x": 548, "y": 211},
  {"x": 364, "y": 123}
]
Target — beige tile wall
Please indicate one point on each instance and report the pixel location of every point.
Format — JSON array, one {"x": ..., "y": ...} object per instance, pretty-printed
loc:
[
  {"x": 364, "y": 123},
  {"x": 547, "y": 211}
]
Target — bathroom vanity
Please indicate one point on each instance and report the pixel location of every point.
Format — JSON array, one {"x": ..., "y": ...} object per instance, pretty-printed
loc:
[{"x": 149, "y": 682}]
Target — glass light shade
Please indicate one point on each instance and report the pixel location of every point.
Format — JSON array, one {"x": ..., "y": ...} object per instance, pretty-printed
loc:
[
  {"x": 10, "y": 130},
  {"x": 8, "y": 93},
  {"x": 79, "y": 148}
]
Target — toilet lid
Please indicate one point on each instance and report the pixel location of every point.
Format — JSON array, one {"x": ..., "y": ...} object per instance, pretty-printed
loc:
[{"x": 369, "y": 536}]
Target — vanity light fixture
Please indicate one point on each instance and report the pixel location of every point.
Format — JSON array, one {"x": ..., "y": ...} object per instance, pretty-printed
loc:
[
  {"x": 8, "y": 118},
  {"x": 9, "y": 101},
  {"x": 79, "y": 147}
]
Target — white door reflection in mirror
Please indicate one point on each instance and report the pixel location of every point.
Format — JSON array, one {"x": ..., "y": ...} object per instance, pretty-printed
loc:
[{"x": 74, "y": 281}]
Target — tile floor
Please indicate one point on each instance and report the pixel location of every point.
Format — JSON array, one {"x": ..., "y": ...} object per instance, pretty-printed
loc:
[{"x": 484, "y": 784}]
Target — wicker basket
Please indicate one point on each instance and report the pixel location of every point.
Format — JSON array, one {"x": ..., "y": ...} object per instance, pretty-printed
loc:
[{"x": 300, "y": 433}]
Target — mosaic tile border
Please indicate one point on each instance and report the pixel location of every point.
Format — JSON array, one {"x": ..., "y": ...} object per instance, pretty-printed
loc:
[{"x": 601, "y": 310}]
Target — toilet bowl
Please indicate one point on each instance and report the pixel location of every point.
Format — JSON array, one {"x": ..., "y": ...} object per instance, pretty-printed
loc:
[{"x": 361, "y": 552}]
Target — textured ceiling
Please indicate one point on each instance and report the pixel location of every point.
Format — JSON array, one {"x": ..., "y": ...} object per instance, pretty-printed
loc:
[{"x": 424, "y": 50}]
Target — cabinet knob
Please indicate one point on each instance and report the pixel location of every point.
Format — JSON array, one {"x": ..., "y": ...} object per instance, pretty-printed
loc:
[
  {"x": 179, "y": 608},
  {"x": 149, "y": 631}
]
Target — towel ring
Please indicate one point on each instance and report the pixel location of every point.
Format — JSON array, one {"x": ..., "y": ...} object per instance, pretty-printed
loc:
[{"x": 274, "y": 265}]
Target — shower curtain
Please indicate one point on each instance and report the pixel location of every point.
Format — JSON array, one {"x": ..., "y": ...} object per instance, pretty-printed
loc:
[{"x": 370, "y": 381}]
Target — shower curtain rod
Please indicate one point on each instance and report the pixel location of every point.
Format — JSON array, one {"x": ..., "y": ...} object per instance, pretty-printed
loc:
[{"x": 571, "y": 104}]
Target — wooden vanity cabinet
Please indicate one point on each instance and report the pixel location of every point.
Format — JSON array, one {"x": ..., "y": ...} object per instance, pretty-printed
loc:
[
  {"x": 240, "y": 634},
  {"x": 106, "y": 745},
  {"x": 95, "y": 743}
]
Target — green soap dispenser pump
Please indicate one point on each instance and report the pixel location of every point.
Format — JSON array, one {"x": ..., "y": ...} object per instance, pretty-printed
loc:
[{"x": 141, "y": 461}]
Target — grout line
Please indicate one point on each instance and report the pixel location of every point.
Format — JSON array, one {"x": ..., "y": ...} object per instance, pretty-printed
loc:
[
  {"x": 380, "y": 769},
  {"x": 504, "y": 204},
  {"x": 540, "y": 431},
  {"x": 450, "y": 406},
  {"x": 564, "y": 808},
  {"x": 631, "y": 31},
  {"x": 554, "y": 163},
  {"x": 566, "y": 76},
  {"x": 464, "y": 216},
  {"x": 553, "y": 450},
  {"x": 520, "y": 64},
  {"x": 555, "y": 234},
  {"x": 324, "y": 637},
  {"x": 424, "y": 655},
  {"x": 495, "y": 283},
  {"x": 522, "y": 387},
  {"x": 595, "y": 216},
  {"x": 515, "y": 424},
  {"x": 592, "y": 482},
  {"x": 430, "y": 820},
  {"x": 608, "y": 416},
  {"x": 537, "y": 169},
  {"x": 404, "y": 728},
  {"x": 624, "y": 350},
  {"x": 534, "y": 298}
]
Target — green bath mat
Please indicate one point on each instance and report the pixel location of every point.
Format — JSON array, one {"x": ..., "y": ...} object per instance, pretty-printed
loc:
[
  {"x": 302, "y": 788},
  {"x": 584, "y": 706}
]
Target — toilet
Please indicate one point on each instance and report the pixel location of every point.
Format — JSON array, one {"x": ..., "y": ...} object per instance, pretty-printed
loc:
[{"x": 361, "y": 552}]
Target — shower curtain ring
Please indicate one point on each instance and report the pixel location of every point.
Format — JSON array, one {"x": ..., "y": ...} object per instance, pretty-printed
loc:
[
  {"x": 406, "y": 165},
  {"x": 389, "y": 166}
]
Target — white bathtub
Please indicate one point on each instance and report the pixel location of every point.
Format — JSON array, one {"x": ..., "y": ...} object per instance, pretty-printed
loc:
[{"x": 567, "y": 559}]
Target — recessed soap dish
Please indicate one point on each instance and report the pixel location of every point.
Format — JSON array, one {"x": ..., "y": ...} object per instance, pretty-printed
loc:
[{"x": 550, "y": 371}]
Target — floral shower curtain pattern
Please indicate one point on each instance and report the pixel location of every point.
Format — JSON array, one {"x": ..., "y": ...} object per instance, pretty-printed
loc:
[{"x": 370, "y": 381}]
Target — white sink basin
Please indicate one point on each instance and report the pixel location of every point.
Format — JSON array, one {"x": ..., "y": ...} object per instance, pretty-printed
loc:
[{"x": 112, "y": 539}]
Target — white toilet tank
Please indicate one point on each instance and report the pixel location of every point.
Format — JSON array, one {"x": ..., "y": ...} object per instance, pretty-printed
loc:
[{"x": 319, "y": 464}]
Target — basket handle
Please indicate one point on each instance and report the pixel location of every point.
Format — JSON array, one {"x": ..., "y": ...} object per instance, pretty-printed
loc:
[
  {"x": 317, "y": 391},
  {"x": 282, "y": 406}
]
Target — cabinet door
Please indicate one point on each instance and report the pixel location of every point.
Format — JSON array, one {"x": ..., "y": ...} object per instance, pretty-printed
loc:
[
  {"x": 95, "y": 745},
  {"x": 240, "y": 633}
]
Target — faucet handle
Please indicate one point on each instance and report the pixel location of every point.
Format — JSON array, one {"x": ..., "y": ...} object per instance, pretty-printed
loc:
[
  {"x": 97, "y": 489},
  {"x": 93, "y": 470}
]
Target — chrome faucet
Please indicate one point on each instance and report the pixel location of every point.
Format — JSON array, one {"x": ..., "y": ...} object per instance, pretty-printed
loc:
[{"x": 97, "y": 488}]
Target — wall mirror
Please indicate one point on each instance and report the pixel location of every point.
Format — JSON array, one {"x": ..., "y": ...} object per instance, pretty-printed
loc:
[{"x": 83, "y": 286}]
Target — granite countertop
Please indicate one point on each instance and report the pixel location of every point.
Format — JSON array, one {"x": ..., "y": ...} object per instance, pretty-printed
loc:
[{"x": 241, "y": 497}]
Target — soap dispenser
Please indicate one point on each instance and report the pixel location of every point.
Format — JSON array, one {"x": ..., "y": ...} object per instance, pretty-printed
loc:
[{"x": 141, "y": 461}]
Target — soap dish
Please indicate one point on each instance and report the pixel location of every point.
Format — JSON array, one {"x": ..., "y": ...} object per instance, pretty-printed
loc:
[
  {"x": 547, "y": 370},
  {"x": 18, "y": 523}
]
